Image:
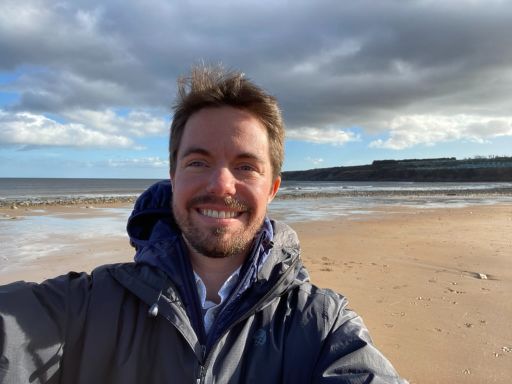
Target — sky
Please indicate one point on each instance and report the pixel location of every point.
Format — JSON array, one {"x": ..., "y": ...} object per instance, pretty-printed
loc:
[{"x": 87, "y": 87}]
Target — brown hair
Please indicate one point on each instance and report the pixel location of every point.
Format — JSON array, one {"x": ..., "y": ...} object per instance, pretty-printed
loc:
[{"x": 215, "y": 87}]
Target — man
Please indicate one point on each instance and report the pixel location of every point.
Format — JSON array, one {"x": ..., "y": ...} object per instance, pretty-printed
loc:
[{"x": 217, "y": 293}]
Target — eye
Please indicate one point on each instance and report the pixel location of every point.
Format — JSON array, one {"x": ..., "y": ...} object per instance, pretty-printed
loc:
[
  {"x": 246, "y": 168},
  {"x": 249, "y": 169},
  {"x": 197, "y": 164}
]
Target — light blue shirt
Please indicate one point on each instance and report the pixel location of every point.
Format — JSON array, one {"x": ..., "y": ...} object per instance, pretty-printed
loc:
[{"x": 211, "y": 309}]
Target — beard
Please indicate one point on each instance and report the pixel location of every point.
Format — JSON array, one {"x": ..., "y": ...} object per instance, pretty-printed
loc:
[{"x": 218, "y": 241}]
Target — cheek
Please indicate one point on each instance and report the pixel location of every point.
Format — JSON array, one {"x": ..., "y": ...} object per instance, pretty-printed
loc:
[
  {"x": 183, "y": 185},
  {"x": 188, "y": 181},
  {"x": 179, "y": 197}
]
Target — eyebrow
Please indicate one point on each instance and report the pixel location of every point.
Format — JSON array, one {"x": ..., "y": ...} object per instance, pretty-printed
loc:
[
  {"x": 195, "y": 151},
  {"x": 204, "y": 152},
  {"x": 251, "y": 156}
]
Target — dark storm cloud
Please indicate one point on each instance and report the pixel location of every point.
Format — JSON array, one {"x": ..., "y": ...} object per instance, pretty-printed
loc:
[{"x": 331, "y": 63}]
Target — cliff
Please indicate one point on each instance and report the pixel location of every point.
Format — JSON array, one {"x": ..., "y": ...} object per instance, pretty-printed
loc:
[{"x": 440, "y": 169}]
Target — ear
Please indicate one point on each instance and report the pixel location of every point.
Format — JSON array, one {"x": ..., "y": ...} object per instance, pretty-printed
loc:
[{"x": 275, "y": 187}]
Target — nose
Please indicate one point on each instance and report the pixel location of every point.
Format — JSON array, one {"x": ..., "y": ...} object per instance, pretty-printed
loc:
[{"x": 221, "y": 183}]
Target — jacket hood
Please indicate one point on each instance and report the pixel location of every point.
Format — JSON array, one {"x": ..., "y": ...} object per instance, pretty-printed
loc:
[{"x": 152, "y": 206}]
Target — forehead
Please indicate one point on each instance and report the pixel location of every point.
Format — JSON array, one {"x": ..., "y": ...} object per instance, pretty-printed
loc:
[{"x": 225, "y": 128}]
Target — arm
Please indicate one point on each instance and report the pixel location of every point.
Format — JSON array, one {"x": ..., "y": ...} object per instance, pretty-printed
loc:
[{"x": 33, "y": 327}]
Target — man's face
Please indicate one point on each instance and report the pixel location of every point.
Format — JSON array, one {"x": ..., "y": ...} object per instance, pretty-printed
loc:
[{"x": 223, "y": 181}]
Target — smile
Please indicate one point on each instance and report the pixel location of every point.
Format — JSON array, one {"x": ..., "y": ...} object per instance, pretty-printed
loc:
[{"x": 218, "y": 214}]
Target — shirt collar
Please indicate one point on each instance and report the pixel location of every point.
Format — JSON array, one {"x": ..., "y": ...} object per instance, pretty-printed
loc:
[{"x": 224, "y": 291}]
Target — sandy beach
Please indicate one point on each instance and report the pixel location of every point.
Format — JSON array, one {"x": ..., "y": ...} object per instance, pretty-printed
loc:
[{"x": 434, "y": 286}]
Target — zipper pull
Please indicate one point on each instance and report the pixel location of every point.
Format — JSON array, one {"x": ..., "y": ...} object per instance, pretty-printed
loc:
[
  {"x": 199, "y": 380},
  {"x": 153, "y": 310}
]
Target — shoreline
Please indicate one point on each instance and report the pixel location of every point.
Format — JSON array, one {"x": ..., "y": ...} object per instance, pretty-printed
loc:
[
  {"x": 43, "y": 202},
  {"x": 112, "y": 200}
]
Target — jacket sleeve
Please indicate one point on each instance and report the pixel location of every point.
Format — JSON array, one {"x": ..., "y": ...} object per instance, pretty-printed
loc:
[
  {"x": 33, "y": 326},
  {"x": 348, "y": 354}
]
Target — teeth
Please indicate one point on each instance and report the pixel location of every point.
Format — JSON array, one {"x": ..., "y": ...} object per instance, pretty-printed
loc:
[{"x": 218, "y": 214}]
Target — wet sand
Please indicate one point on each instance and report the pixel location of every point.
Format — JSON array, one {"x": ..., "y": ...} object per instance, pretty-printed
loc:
[{"x": 434, "y": 286}]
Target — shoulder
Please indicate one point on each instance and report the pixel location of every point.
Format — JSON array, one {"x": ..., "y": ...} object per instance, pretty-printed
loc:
[
  {"x": 344, "y": 340},
  {"x": 323, "y": 300}
]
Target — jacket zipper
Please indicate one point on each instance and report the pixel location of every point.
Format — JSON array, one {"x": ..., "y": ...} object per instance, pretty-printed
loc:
[
  {"x": 200, "y": 379},
  {"x": 202, "y": 366},
  {"x": 238, "y": 287},
  {"x": 249, "y": 313}
]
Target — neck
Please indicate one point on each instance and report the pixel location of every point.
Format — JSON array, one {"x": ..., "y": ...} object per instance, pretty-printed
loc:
[{"x": 213, "y": 271}]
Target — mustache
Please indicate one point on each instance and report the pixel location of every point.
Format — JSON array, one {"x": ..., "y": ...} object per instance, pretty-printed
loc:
[{"x": 228, "y": 202}]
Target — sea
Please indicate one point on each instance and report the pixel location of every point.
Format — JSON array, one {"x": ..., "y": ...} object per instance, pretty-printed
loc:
[
  {"x": 42, "y": 232},
  {"x": 55, "y": 188}
]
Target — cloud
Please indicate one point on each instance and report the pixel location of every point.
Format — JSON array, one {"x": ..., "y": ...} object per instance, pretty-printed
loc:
[
  {"x": 54, "y": 91},
  {"x": 411, "y": 130},
  {"x": 315, "y": 161},
  {"x": 134, "y": 123},
  {"x": 331, "y": 63},
  {"x": 321, "y": 136},
  {"x": 27, "y": 129},
  {"x": 143, "y": 162},
  {"x": 84, "y": 128}
]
